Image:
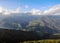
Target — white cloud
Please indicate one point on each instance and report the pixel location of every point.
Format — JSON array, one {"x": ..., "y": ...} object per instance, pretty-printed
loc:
[
  {"x": 1, "y": 9},
  {"x": 6, "y": 11},
  {"x": 55, "y": 10},
  {"x": 15, "y": 11},
  {"x": 36, "y": 12}
]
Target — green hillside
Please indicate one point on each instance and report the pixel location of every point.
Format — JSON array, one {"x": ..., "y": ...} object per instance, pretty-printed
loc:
[{"x": 43, "y": 41}]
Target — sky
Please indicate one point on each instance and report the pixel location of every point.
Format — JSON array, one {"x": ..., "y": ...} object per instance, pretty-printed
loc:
[
  {"x": 34, "y": 6},
  {"x": 39, "y": 4},
  {"x": 11, "y": 4}
]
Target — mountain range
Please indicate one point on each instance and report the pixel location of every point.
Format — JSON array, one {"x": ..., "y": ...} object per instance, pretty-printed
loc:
[{"x": 29, "y": 22}]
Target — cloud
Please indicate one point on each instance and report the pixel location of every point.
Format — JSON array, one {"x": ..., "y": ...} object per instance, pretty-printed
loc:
[
  {"x": 6, "y": 11},
  {"x": 1, "y": 9},
  {"x": 15, "y": 11},
  {"x": 35, "y": 12},
  {"x": 55, "y": 10}
]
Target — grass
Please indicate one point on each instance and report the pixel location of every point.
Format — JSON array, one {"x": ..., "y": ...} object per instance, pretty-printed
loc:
[{"x": 43, "y": 41}]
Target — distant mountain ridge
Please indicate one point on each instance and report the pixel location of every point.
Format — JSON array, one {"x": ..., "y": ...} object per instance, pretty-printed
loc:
[{"x": 28, "y": 22}]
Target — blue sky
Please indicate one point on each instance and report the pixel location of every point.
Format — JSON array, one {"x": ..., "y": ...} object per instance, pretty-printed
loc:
[
  {"x": 38, "y": 4},
  {"x": 10, "y": 4}
]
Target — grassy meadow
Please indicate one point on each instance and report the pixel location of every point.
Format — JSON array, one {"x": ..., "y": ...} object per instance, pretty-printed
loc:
[{"x": 43, "y": 41}]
